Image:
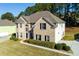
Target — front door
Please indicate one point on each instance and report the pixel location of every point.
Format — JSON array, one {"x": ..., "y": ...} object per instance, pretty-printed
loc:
[{"x": 31, "y": 34}]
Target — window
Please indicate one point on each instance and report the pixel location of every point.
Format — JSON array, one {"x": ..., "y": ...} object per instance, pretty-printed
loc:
[
  {"x": 26, "y": 25},
  {"x": 17, "y": 25},
  {"x": 26, "y": 35},
  {"x": 42, "y": 25},
  {"x": 46, "y": 38},
  {"x": 20, "y": 25},
  {"x": 21, "y": 35},
  {"x": 38, "y": 37}
]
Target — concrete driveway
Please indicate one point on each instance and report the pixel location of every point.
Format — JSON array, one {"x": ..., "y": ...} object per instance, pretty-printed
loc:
[
  {"x": 74, "y": 46},
  {"x": 2, "y": 39}
]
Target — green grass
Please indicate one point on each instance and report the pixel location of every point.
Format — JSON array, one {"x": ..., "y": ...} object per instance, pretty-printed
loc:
[
  {"x": 70, "y": 32},
  {"x": 68, "y": 38},
  {"x": 15, "y": 48}
]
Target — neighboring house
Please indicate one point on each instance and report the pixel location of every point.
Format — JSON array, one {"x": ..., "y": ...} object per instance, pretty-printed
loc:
[
  {"x": 42, "y": 26},
  {"x": 7, "y": 27}
]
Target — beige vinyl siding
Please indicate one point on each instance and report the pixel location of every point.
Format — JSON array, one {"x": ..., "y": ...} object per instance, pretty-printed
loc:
[
  {"x": 21, "y": 31},
  {"x": 49, "y": 31}
]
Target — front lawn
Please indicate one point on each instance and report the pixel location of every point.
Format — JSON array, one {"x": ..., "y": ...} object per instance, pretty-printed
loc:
[
  {"x": 70, "y": 32},
  {"x": 15, "y": 48},
  {"x": 69, "y": 38}
]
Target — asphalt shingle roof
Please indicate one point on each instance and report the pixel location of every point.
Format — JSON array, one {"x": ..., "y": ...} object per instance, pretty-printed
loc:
[
  {"x": 6, "y": 22},
  {"x": 44, "y": 14}
]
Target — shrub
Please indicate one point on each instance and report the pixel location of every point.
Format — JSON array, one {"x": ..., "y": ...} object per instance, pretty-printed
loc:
[
  {"x": 41, "y": 43},
  {"x": 13, "y": 37},
  {"x": 76, "y": 36},
  {"x": 14, "y": 34},
  {"x": 58, "y": 46},
  {"x": 63, "y": 44},
  {"x": 16, "y": 39},
  {"x": 66, "y": 48}
]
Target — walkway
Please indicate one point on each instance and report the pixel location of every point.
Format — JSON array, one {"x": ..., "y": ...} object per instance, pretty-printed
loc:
[{"x": 74, "y": 46}]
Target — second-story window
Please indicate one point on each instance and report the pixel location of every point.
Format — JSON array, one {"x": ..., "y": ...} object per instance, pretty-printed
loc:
[
  {"x": 17, "y": 25},
  {"x": 26, "y": 27},
  {"x": 43, "y": 26},
  {"x": 20, "y": 25}
]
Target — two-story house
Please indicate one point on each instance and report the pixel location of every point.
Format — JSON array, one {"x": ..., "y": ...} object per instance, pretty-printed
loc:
[{"x": 43, "y": 26}]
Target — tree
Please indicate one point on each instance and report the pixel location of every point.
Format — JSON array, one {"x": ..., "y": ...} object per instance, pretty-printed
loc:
[
  {"x": 20, "y": 14},
  {"x": 66, "y": 11},
  {"x": 40, "y": 7},
  {"x": 8, "y": 16}
]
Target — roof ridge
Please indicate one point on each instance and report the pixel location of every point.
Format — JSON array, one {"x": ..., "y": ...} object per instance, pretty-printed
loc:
[
  {"x": 38, "y": 12},
  {"x": 33, "y": 18}
]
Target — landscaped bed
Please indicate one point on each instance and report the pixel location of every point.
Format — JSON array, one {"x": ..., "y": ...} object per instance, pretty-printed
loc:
[
  {"x": 41, "y": 43},
  {"x": 52, "y": 45},
  {"x": 16, "y": 48}
]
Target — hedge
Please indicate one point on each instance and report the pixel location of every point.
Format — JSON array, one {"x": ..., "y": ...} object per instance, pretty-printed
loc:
[
  {"x": 76, "y": 36},
  {"x": 59, "y": 46},
  {"x": 62, "y": 46},
  {"x": 13, "y": 37},
  {"x": 66, "y": 48},
  {"x": 14, "y": 34},
  {"x": 41, "y": 43}
]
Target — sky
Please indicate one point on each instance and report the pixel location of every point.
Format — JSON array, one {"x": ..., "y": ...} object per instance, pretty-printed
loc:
[{"x": 14, "y": 8}]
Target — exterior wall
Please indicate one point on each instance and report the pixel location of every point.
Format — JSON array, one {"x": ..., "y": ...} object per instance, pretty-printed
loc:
[
  {"x": 29, "y": 28},
  {"x": 7, "y": 30},
  {"x": 21, "y": 30},
  {"x": 49, "y": 31},
  {"x": 55, "y": 34},
  {"x": 59, "y": 32}
]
